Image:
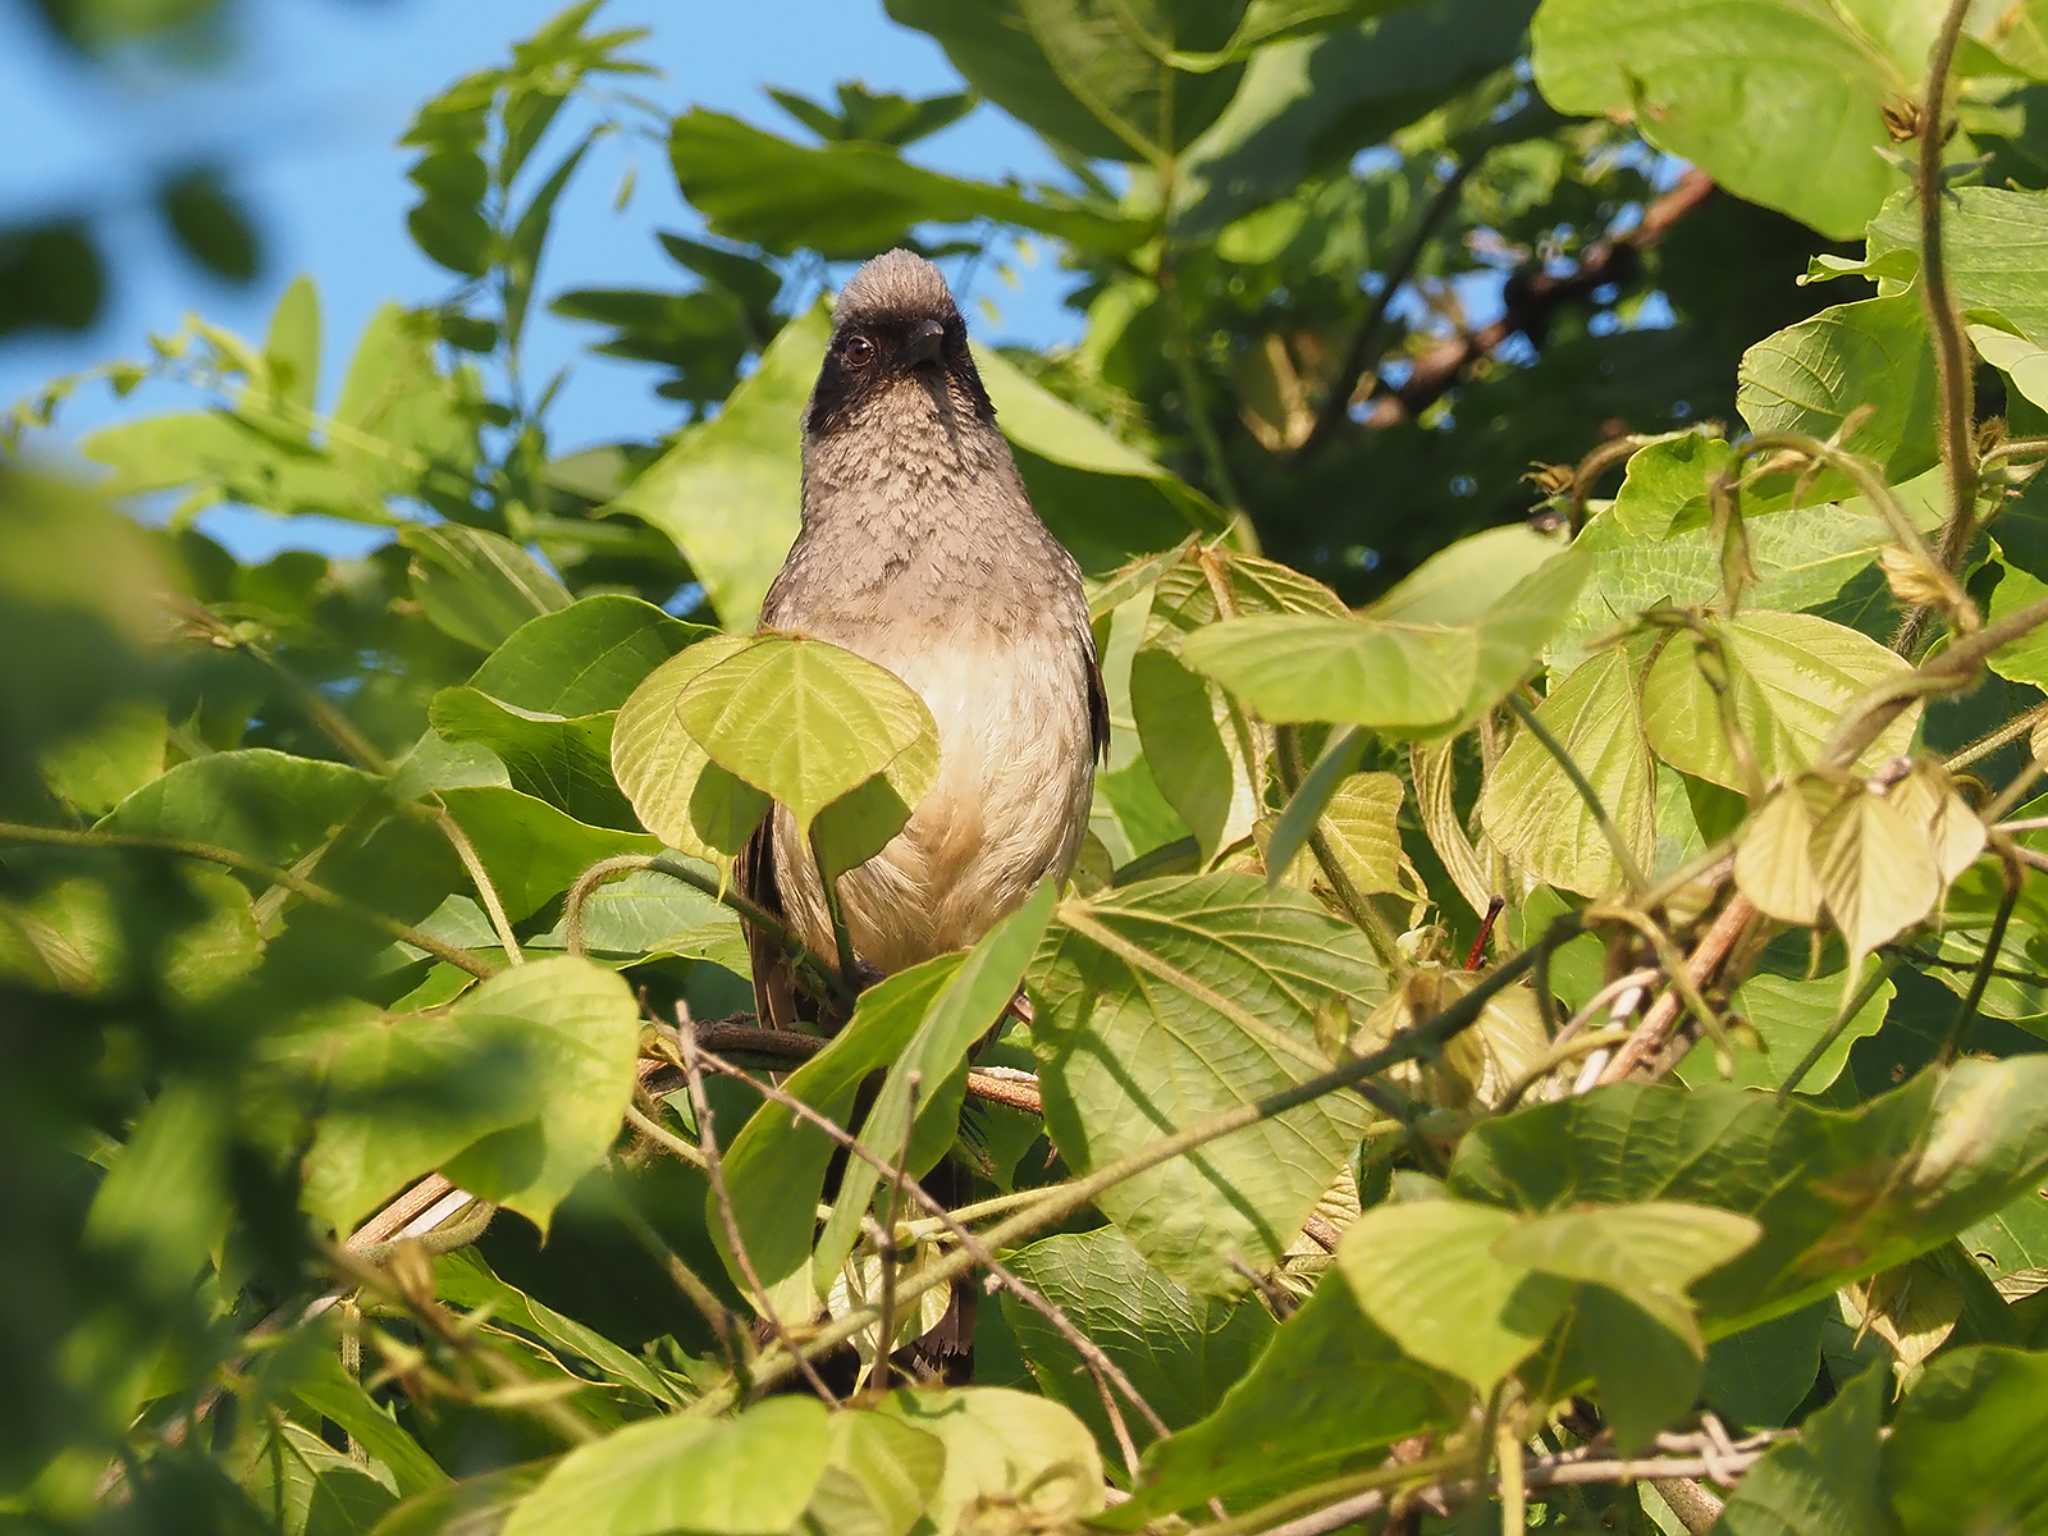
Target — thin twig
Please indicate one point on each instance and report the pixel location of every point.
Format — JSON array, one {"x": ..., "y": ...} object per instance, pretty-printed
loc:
[
  {"x": 1966, "y": 1014},
  {"x": 298, "y": 885},
  {"x": 480, "y": 877},
  {"x": 721, "y": 1196},
  {"x": 1361, "y": 358},
  {"x": 977, "y": 1250},
  {"x": 2013, "y": 729},
  {"x": 1366, "y": 917},
  {"x": 1060, "y": 1201},
  {"x": 725, "y": 1327},
  {"x": 1819, "y": 1048}
]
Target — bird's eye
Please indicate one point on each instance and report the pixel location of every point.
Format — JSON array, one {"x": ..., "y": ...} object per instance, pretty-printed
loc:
[{"x": 859, "y": 351}]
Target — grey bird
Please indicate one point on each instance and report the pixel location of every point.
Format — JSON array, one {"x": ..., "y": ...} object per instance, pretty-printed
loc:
[{"x": 920, "y": 551}]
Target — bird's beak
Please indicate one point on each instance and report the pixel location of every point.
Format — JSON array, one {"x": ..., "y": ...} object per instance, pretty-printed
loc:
[{"x": 925, "y": 339}]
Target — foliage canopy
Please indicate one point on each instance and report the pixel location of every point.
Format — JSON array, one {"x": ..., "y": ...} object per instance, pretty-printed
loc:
[{"x": 1549, "y": 1009}]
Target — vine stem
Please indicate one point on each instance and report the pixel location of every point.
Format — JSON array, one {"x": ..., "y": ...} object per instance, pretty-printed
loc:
[
  {"x": 1631, "y": 871},
  {"x": 1951, "y": 351},
  {"x": 298, "y": 885},
  {"x": 1422, "y": 1040}
]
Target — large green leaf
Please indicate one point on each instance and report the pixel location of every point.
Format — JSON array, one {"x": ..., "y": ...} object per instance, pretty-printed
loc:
[
  {"x": 1534, "y": 813},
  {"x": 1170, "y": 1000},
  {"x": 726, "y": 493},
  {"x": 476, "y": 585},
  {"x": 1786, "y": 680},
  {"x": 1872, "y": 357},
  {"x": 1965, "y": 1450},
  {"x": 586, "y": 658},
  {"x": 1182, "y": 1352},
  {"x": 1398, "y": 678},
  {"x": 264, "y": 804},
  {"x": 1838, "y": 1193},
  {"x": 1824, "y": 1482},
  {"x": 806, "y": 722},
  {"x": 1723, "y": 84},
  {"x": 678, "y": 793},
  {"x": 1198, "y": 747},
  {"x": 1007, "y": 1450},
  {"x": 1991, "y": 237},
  {"x": 562, "y": 759},
  {"x": 851, "y": 200},
  {"x": 919, "y": 1021},
  {"x": 1307, "y": 104},
  {"x": 1789, "y": 1016},
  {"x": 1802, "y": 557},
  {"x": 516, "y": 1092},
  {"x": 1092, "y": 75},
  {"x": 748, "y": 1476},
  {"x": 1298, "y": 1413},
  {"x": 531, "y": 850}
]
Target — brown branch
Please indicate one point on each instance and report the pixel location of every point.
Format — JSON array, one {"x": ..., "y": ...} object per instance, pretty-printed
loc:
[
  {"x": 1701, "y": 967},
  {"x": 1533, "y": 298}
]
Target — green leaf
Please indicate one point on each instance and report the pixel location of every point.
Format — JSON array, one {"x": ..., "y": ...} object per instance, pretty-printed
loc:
[
  {"x": 1835, "y": 1195},
  {"x": 2024, "y": 660},
  {"x": 1004, "y": 1449},
  {"x": 1307, "y": 104},
  {"x": 806, "y": 722},
  {"x": 478, "y": 586},
  {"x": 584, "y": 659},
  {"x": 1087, "y": 74},
  {"x": 526, "y": 1080},
  {"x": 1758, "y": 1377},
  {"x": 1789, "y": 1017},
  {"x": 1162, "y": 1002},
  {"x": 265, "y": 804},
  {"x": 1774, "y": 865},
  {"x": 292, "y": 348},
  {"x": 403, "y": 1094},
  {"x": 1873, "y": 353},
  {"x": 678, "y": 793},
  {"x": 880, "y": 1480},
  {"x": 530, "y": 235},
  {"x": 1396, "y": 678},
  {"x": 727, "y": 492},
  {"x": 304, "y": 1487},
  {"x": 851, "y": 200},
  {"x": 1714, "y": 83},
  {"x": 1787, "y": 679},
  {"x": 585, "y": 1028},
  {"x": 480, "y": 1503},
  {"x": 921, "y": 1020},
  {"x": 124, "y": 750},
  {"x": 1182, "y": 1352},
  {"x": 1824, "y": 1482},
  {"x": 328, "y": 1390},
  {"x": 1198, "y": 747},
  {"x": 564, "y": 760},
  {"x": 1877, "y": 874},
  {"x": 647, "y": 912},
  {"x": 1051, "y": 433},
  {"x": 1803, "y": 557},
  {"x": 531, "y": 850},
  {"x": 1402, "y": 1260},
  {"x": 1991, "y": 237},
  {"x": 1362, "y": 822},
  {"x": 1531, "y": 810},
  {"x": 747, "y": 1476},
  {"x": 465, "y": 1280},
  {"x": 1298, "y": 1414},
  {"x": 1963, "y": 1453}
]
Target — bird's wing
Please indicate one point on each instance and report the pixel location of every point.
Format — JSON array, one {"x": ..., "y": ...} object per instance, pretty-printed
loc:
[
  {"x": 1098, "y": 700},
  {"x": 774, "y": 976}
]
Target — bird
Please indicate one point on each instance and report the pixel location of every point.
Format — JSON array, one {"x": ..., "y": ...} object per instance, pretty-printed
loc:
[{"x": 920, "y": 551}]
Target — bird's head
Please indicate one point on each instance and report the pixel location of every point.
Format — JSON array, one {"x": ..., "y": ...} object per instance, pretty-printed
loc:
[{"x": 898, "y": 350}]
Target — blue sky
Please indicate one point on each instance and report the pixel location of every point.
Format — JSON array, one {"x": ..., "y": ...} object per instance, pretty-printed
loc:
[{"x": 306, "y": 109}]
